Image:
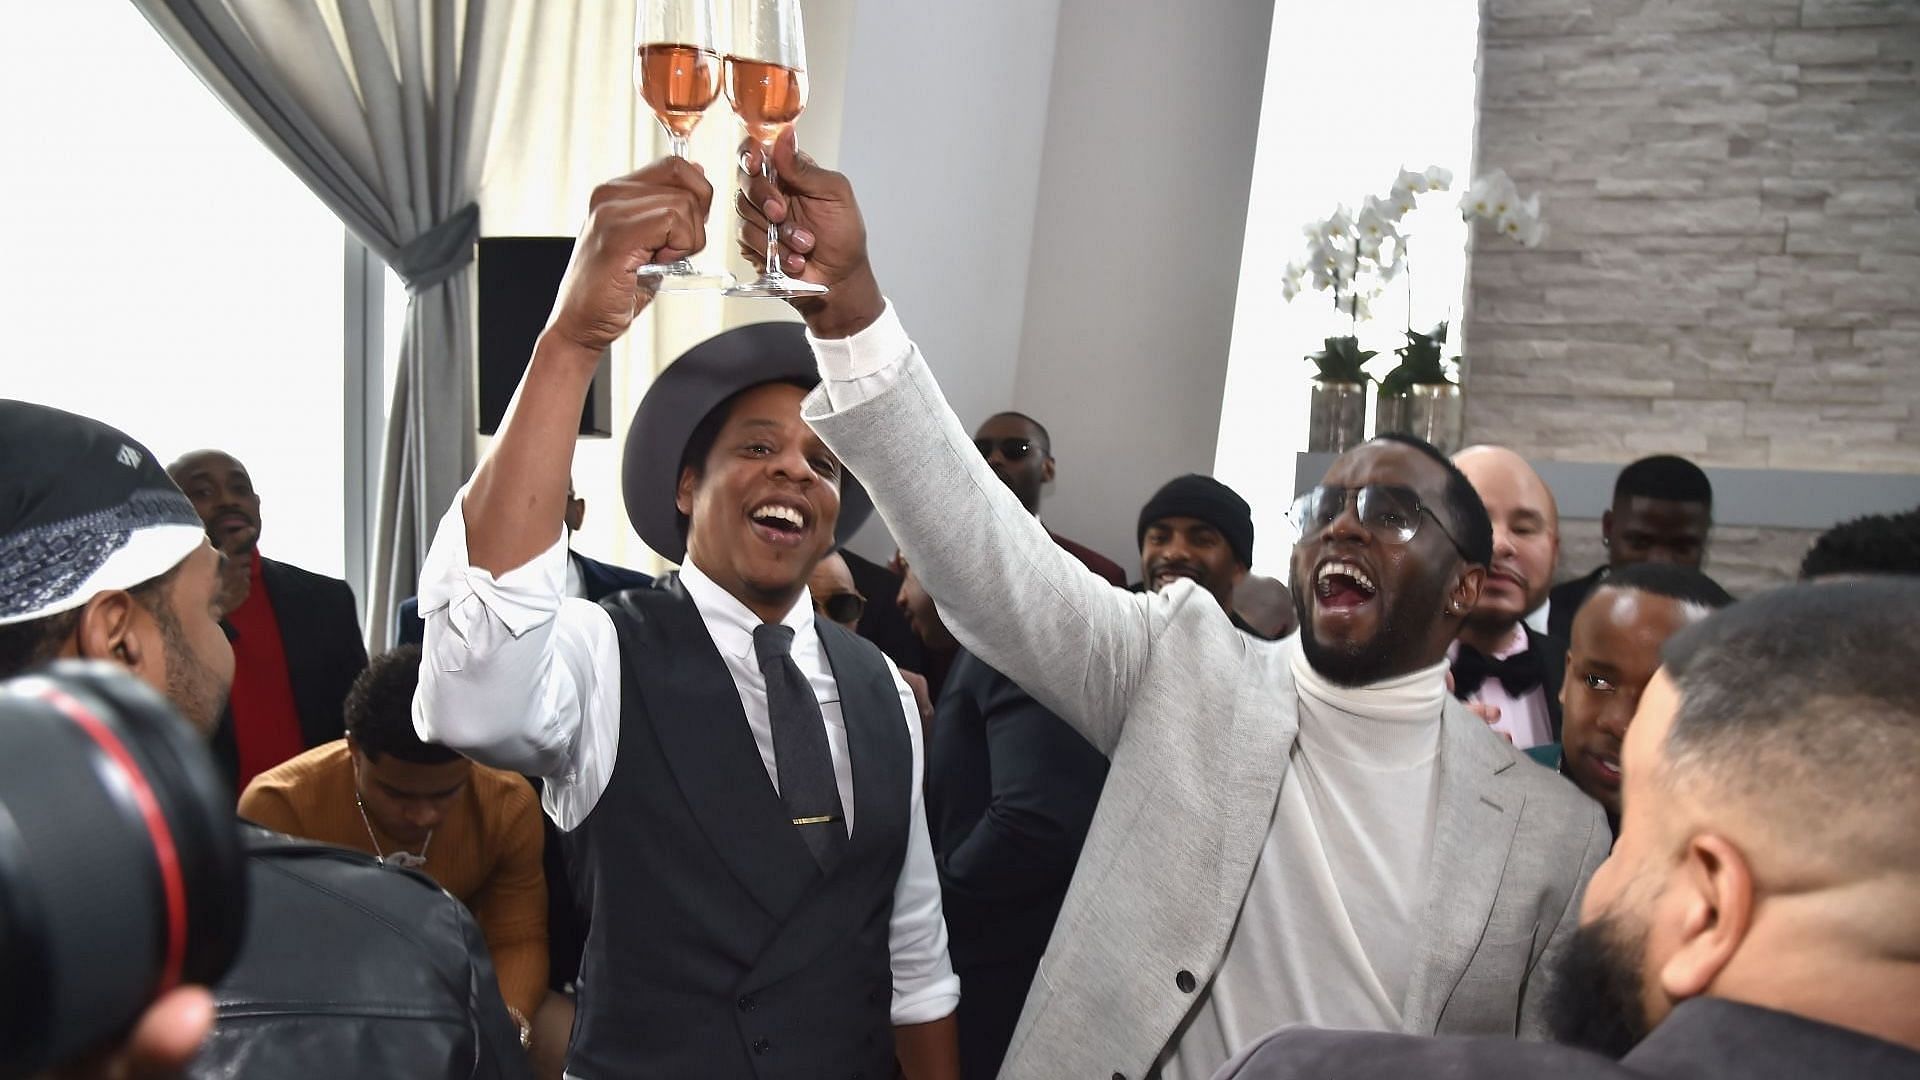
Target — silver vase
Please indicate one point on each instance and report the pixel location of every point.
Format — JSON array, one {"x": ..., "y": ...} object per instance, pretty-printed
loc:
[
  {"x": 1429, "y": 411},
  {"x": 1337, "y": 417}
]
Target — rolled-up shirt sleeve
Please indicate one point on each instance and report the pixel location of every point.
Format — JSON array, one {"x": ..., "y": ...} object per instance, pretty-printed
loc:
[
  {"x": 511, "y": 670},
  {"x": 924, "y": 985}
]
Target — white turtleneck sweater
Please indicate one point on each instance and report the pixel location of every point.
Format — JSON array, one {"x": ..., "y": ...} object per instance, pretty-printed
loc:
[{"x": 1329, "y": 927}]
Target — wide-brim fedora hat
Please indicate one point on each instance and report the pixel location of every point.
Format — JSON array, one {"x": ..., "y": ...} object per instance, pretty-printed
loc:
[{"x": 682, "y": 395}]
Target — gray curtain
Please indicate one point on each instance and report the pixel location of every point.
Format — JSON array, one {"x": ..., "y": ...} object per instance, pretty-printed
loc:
[{"x": 382, "y": 108}]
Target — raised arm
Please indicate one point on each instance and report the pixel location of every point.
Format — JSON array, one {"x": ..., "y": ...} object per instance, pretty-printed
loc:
[
  {"x": 1010, "y": 595},
  {"x": 517, "y": 501},
  {"x": 511, "y": 673}
]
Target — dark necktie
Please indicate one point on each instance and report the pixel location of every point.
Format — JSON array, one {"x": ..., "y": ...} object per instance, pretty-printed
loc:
[
  {"x": 1472, "y": 668},
  {"x": 800, "y": 754}
]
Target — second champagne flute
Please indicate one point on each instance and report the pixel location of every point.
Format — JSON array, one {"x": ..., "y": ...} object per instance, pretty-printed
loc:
[
  {"x": 676, "y": 68},
  {"x": 767, "y": 83}
]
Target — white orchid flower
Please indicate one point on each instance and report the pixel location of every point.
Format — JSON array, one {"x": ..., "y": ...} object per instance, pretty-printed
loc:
[
  {"x": 1375, "y": 226},
  {"x": 1439, "y": 179},
  {"x": 1408, "y": 180},
  {"x": 1490, "y": 196},
  {"x": 1338, "y": 229}
]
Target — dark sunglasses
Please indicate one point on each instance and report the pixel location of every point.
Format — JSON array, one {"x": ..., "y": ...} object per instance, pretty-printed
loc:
[
  {"x": 1389, "y": 512},
  {"x": 1013, "y": 449},
  {"x": 845, "y": 607}
]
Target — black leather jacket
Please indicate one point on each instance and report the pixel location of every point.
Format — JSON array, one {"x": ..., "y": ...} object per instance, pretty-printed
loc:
[{"x": 353, "y": 969}]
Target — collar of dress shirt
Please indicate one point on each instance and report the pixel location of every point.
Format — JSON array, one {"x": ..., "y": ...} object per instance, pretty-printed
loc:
[{"x": 731, "y": 622}]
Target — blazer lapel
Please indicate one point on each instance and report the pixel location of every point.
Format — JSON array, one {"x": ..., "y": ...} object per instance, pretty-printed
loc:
[
  {"x": 703, "y": 736},
  {"x": 1476, "y": 818}
]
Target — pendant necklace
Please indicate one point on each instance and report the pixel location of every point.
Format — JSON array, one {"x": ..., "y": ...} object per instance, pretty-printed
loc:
[{"x": 402, "y": 858}]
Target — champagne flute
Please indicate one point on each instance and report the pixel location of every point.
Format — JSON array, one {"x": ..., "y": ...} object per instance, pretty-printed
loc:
[
  {"x": 767, "y": 83},
  {"x": 676, "y": 68}
]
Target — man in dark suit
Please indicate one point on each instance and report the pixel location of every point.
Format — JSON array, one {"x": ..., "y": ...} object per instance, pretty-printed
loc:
[
  {"x": 296, "y": 635},
  {"x": 1662, "y": 512},
  {"x": 1756, "y": 918},
  {"x": 1509, "y": 673},
  {"x": 587, "y": 578},
  {"x": 1020, "y": 452},
  {"x": 1011, "y": 791}
]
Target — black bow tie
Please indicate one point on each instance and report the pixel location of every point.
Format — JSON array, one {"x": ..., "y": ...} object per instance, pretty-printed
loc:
[{"x": 1517, "y": 673}]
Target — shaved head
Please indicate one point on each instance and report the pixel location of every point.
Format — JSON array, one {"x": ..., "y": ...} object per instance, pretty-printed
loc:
[{"x": 1526, "y": 540}]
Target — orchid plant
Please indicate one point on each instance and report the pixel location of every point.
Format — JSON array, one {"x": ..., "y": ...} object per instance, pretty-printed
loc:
[{"x": 1357, "y": 255}]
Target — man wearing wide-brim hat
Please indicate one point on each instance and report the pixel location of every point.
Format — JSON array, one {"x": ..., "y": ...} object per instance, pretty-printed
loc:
[{"x": 740, "y": 781}]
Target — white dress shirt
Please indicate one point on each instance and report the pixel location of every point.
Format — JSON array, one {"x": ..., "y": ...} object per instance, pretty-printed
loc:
[{"x": 519, "y": 676}]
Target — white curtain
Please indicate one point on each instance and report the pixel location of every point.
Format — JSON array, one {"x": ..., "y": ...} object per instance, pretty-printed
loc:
[{"x": 382, "y": 107}]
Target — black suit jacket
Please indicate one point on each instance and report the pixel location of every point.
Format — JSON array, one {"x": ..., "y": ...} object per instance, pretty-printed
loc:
[
  {"x": 1011, "y": 791},
  {"x": 320, "y": 631},
  {"x": 1564, "y": 600},
  {"x": 1704, "y": 1039},
  {"x": 600, "y": 578}
]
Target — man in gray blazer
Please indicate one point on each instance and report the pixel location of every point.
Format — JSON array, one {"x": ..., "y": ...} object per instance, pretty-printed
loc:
[
  {"x": 1758, "y": 917},
  {"x": 1308, "y": 830}
]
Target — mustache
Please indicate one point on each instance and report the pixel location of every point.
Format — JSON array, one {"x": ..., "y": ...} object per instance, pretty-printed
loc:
[{"x": 1154, "y": 570}]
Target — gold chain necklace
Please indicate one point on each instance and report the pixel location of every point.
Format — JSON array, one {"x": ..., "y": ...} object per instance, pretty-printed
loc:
[{"x": 403, "y": 858}]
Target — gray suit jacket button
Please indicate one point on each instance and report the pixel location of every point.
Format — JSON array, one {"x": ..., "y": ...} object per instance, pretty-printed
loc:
[{"x": 1185, "y": 982}]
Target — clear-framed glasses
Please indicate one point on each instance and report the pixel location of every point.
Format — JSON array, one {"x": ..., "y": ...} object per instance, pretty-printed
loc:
[{"x": 1390, "y": 512}]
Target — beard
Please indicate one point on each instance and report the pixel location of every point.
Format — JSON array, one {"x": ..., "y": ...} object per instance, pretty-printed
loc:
[
  {"x": 192, "y": 686},
  {"x": 1389, "y": 652},
  {"x": 1597, "y": 998}
]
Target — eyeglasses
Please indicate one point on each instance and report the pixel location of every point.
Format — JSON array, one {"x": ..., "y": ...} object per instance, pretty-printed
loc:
[
  {"x": 1013, "y": 449},
  {"x": 845, "y": 607},
  {"x": 1389, "y": 512}
]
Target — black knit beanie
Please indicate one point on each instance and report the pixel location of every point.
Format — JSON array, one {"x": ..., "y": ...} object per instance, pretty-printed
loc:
[{"x": 1209, "y": 500}]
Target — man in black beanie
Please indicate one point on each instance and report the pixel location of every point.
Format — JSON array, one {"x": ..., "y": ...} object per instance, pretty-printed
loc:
[{"x": 1196, "y": 527}]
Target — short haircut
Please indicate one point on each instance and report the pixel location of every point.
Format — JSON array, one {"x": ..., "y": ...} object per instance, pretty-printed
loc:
[
  {"x": 707, "y": 432},
  {"x": 1471, "y": 525},
  {"x": 1682, "y": 583},
  {"x": 27, "y": 645},
  {"x": 1046, "y": 440},
  {"x": 379, "y": 710},
  {"x": 1664, "y": 476},
  {"x": 1874, "y": 544},
  {"x": 1805, "y": 695}
]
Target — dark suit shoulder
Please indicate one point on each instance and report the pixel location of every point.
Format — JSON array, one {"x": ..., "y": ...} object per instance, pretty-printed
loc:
[
  {"x": 279, "y": 575},
  {"x": 1310, "y": 1054}
]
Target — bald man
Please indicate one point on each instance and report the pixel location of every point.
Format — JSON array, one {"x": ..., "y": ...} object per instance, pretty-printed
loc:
[
  {"x": 296, "y": 635},
  {"x": 1511, "y": 673},
  {"x": 1757, "y": 916}
]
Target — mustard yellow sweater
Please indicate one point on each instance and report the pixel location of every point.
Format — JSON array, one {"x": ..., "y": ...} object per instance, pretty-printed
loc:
[{"x": 486, "y": 852}]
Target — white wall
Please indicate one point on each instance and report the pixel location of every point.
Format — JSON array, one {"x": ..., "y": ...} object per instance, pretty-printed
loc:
[
  {"x": 1136, "y": 249},
  {"x": 942, "y": 127},
  {"x": 1003, "y": 151}
]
